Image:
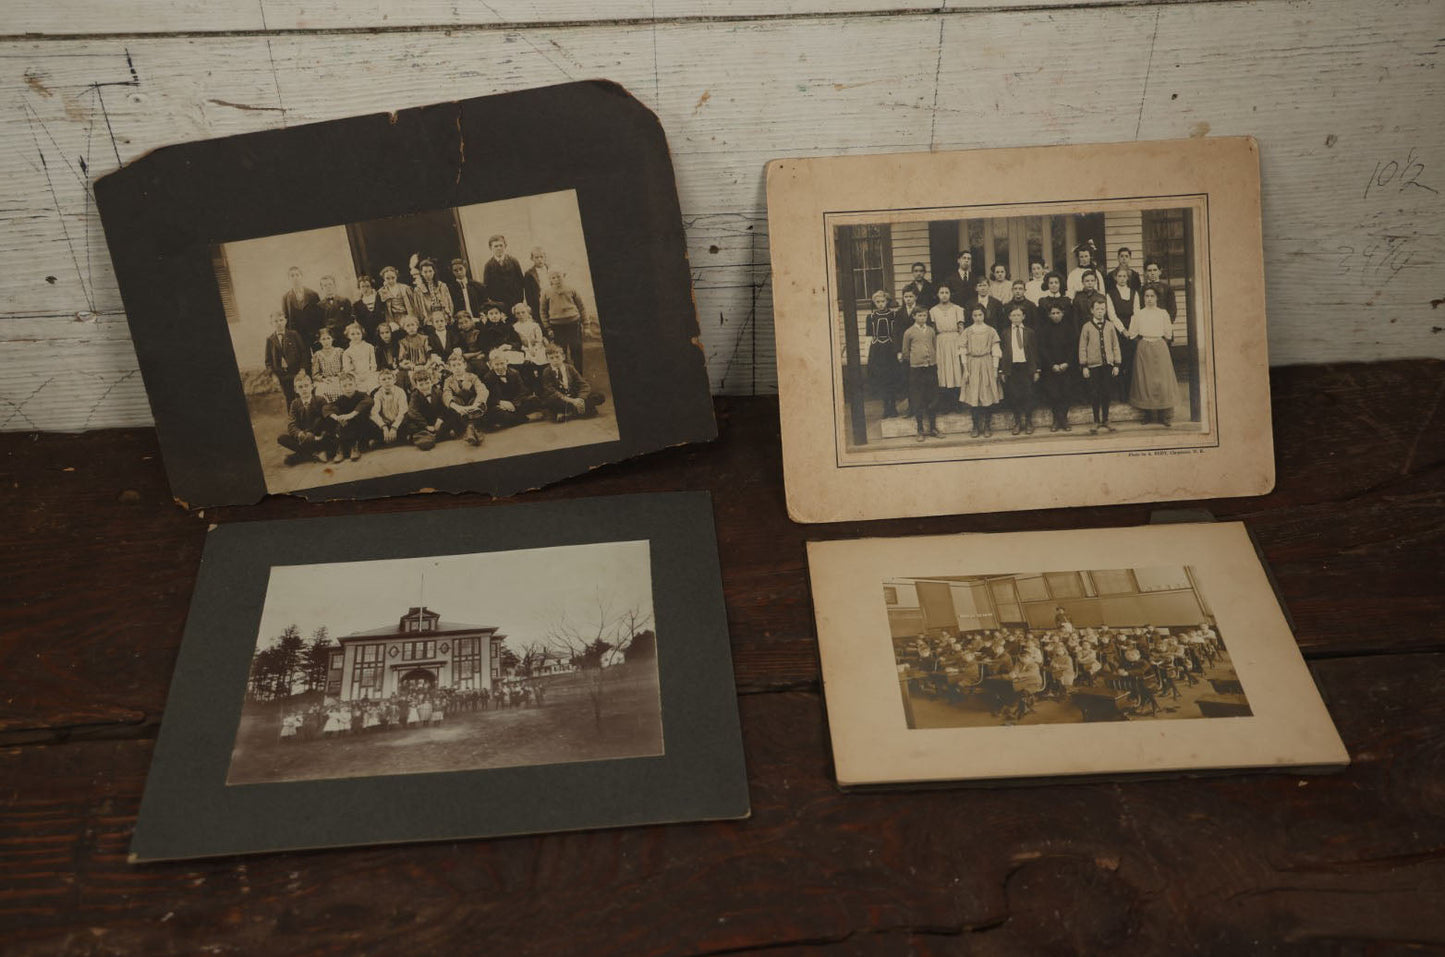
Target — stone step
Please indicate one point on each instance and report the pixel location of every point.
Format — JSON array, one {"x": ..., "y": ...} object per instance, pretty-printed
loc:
[{"x": 955, "y": 422}]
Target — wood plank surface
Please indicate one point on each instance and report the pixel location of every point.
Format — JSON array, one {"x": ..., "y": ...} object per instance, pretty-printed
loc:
[
  {"x": 1342, "y": 95},
  {"x": 97, "y": 567}
]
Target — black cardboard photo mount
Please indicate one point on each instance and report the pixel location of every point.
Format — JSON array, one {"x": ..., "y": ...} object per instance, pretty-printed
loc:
[
  {"x": 163, "y": 212},
  {"x": 188, "y": 810}
]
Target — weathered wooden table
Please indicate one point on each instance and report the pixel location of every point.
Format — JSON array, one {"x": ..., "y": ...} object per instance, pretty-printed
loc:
[{"x": 97, "y": 571}]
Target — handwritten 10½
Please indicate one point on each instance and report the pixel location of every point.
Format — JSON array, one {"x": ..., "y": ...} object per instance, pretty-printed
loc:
[{"x": 1400, "y": 175}]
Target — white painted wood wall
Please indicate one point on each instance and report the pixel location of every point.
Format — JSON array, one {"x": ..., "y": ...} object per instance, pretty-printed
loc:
[{"x": 1344, "y": 96}]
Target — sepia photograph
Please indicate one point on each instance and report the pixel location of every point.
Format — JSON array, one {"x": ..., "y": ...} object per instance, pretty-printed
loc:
[
  {"x": 413, "y": 342},
  {"x": 446, "y": 674},
  {"x": 1123, "y": 644},
  {"x": 1029, "y": 330},
  {"x": 458, "y": 662},
  {"x": 1030, "y": 655},
  {"x": 1008, "y": 329}
]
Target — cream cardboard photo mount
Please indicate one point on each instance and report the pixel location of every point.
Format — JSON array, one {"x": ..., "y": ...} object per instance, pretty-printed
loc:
[
  {"x": 984, "y": 658},
  {"x": 1092, "y": 328}
]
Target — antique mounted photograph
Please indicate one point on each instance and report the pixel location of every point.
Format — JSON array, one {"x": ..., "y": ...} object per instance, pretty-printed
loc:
[
  {"x": 418, "y": 341},
  {"x": 431, "y": 299},
  {"x": 1149, "y": 649},
  {"x": 976, "y": 331},
  {"x": 513, "y": 669},
  {"x": 1120, "y": 644},
  {"x": 533, "y": 656},
  {"x": 1016, "y": 331}
]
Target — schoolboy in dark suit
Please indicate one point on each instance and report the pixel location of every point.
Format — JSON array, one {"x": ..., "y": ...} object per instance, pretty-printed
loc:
[
  {"x": 924, "y": 291},
  {"x": 961, "y": 283},
  {"x": 1019, "y": 369},
  {"x": 467, "y": 293},
  {"x": 335, "y": 310},
  {"x": 302, "y": 308},
  {"x": 564, "y": 392},
  {"x": 535, "y": 280},
  {"x": 502, "y": 275},
  {"x": 509, "y": 401},
  {"x": 309, "y": 433},
  {"x": 993, "y": 313},
  {"x": 286, "y": 355}
]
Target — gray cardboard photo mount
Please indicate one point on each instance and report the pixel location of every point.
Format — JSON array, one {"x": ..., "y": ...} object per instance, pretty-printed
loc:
[
  {"x": 189, "y": 811},
  {"x": 174, "y": 217}
]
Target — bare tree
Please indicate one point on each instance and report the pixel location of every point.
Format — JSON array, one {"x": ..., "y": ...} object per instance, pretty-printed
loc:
[
  {"x": 534, "y": 655},
  {"x": 596, "y": 642}
]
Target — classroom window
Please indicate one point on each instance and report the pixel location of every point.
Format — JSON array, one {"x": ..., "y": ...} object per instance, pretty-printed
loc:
[
  {"x": 890, "y": 595},
  {"x": 1161, "y": 579},
  {"x": 1006, "y": 601},
  {"x": 1064, "y": 584},
  {"x": 1032, "y": 588},
  {"x": 1118, "y": 581}
]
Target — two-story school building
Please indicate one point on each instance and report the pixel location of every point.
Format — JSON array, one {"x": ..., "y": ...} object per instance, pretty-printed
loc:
[{"x": 421, "y": 652}]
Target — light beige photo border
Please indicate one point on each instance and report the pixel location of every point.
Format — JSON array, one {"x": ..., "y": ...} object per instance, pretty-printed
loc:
[
  {"x": 873, "y": 745},
  {"x": 825, "y": 484}
]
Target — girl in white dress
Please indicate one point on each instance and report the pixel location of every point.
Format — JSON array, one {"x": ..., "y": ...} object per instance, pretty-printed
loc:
[
  {"x": 948, "y": 319},
  {"x": 289, "y": 723},
  {"x": 338, "y": 719},
  {"x": 981, "y": 352},
  {"x": 360, "y": 358}
]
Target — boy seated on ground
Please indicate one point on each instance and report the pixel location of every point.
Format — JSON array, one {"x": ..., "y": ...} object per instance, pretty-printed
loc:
[
  {"x": 465, "y": 400},
  {"x": 388, "y": 408},
  {"x": 351, "y": 411},
  {"x": 511, "y": 401},
  {"x": 309, "y": 433},
  {"x": 425, "y": 423},
  {"x": 565, "y": 393}
]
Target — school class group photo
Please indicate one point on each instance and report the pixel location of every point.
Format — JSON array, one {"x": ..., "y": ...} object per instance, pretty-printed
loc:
[
  {"x": 1086, "y": 347},
  {"x": 424, "y": 363}
]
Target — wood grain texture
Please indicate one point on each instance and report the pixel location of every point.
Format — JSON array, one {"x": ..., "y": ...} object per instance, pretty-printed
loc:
[
  {"x": 141, "y": 17},
  {"x": 1354, "y": 532},
  {"x": 96, "y": 568},
  {"x": 1336, "y": 91}
]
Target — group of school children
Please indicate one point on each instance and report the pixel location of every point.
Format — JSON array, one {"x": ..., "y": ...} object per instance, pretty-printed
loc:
[
  {"x": 986, "y": 341},
  {"x": 1146, "y": 662},
  {"x": 428, "y": 361},
  {"x": 404, "y": 709}
]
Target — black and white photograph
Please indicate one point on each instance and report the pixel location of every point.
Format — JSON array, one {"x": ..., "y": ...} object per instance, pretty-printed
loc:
[
  {"x": 413, "y": 342},
  {"x": 1123, "y": 644},
  {"x": 445, "y": 674},
  {"x": 395, "y": 303},
  {"x": 500, "y": 659},
  {"x": 1021, "y": 330},
  {"x": 1007, "y": 329},
  {"x": 1158, "y": 648}
]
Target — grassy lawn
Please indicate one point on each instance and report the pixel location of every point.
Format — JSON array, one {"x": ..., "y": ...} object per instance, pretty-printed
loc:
[{"x": 562, "y": 730}]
